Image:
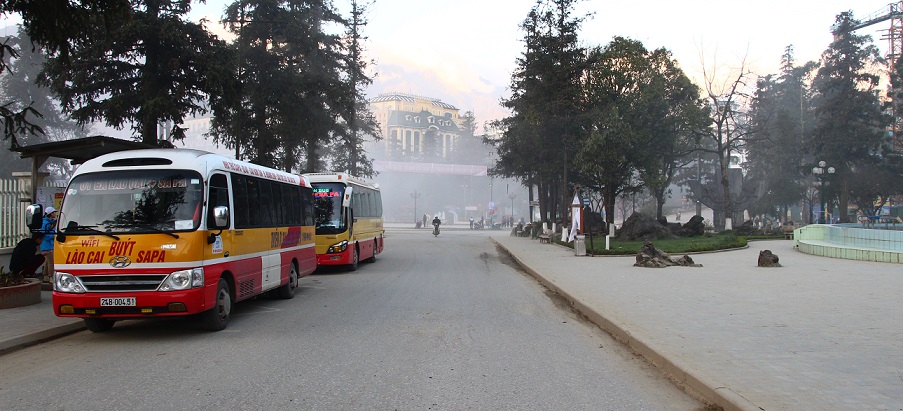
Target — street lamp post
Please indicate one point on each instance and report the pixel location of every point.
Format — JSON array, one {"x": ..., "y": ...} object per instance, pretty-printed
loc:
[
  {"x": 415, "y": 195},
  {"x": 821, "y": 173},
  {"x": 491, "y": 204},
  {"x": 512, "y": 196}
]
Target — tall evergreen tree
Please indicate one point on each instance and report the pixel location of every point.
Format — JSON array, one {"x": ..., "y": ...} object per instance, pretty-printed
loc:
[
  {"x": 20, "y": 86},
  {"x": 152, "y": 67},
  {"x": 348, "y": 151},
  {"x": 850, "y": 123},
  {"x": 291, "y": 94},
  {"x": 57, "y": 27},
  {"x": 782, "y": 117},
  {"x": 544, "y": 130}
]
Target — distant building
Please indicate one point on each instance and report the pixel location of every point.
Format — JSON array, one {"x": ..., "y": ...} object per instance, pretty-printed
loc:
[{"x": 415, "y": 127}]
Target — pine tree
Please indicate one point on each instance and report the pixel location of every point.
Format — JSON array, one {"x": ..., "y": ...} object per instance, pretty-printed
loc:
[
  {"x": 850, "y": 123},
  {"x": 19, "y": 85},
  {"x": 782, "y": 116},
  {"x": 151, "y": 67},
  {"x": 543, "y": 131}
]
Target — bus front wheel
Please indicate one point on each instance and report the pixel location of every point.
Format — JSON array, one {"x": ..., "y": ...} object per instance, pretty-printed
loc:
[
  {"x": 217, "y": 318},
  {"x": 355, "y": 260}
]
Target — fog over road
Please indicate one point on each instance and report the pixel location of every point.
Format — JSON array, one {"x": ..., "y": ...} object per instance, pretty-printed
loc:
[{"x": 434, "y": 323}]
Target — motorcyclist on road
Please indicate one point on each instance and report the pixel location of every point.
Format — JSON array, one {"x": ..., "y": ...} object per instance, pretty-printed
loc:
[{"x": 436, "y": 223}]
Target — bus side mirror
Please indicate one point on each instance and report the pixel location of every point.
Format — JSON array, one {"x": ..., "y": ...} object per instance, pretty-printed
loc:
[
  {"x": 34, "y": 216},
  {"x": 221, "y": 217},
  {"x": 220, "y": 222}
]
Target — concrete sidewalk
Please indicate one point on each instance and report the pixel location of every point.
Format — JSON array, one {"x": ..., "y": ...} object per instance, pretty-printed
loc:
[
  {"x": 23, "y": 326},
  {"x": 815, "y": 334}
]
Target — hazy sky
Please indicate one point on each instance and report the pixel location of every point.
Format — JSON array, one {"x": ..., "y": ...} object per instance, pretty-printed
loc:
[{"x": 463, "y": 51}]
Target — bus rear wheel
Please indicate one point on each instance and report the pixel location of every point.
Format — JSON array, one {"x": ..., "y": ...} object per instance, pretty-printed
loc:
[
  {"x": 217, "y": 318},
  {"x": 286, "y": 292},
  {"x": 99, "y": 325},
  {"x": 372, "y": 258}
]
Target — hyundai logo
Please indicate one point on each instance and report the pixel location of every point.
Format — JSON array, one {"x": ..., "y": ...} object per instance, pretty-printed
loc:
[{"x": 120, "y": 261}]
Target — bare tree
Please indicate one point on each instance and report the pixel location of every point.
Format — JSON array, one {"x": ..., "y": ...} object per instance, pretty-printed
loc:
[{"x": 728, "y": 98}]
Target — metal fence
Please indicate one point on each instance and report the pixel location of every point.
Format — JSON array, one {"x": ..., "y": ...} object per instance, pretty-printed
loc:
[{"x": 15, "y": 197}]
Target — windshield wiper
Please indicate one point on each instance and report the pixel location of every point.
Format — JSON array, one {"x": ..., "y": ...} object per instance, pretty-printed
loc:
[
  {"x": 155, "y": 229},
  {"x": 88, "y": 228}
]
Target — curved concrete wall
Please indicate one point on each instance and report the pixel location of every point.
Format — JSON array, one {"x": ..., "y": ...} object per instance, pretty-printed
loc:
[{"x": 850, "y": 242}]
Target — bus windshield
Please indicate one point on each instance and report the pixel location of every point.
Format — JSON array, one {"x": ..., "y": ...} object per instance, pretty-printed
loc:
[
  {"x": 133, "y": 201},
  {"x": 328, "y": 206}
]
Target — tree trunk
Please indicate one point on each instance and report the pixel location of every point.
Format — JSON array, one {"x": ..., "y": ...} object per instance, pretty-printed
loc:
[{"x": 844, "y": 198}]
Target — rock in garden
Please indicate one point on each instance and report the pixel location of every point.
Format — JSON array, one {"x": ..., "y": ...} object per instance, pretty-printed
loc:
[
  {"x": 641, "y": 226},
  {"x": 652, "y": 257},
  {"x": 768, "y": 259}
]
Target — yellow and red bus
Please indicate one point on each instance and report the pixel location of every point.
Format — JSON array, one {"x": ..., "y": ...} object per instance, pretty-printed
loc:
[
  {"x": 175, "y": 232},
  {"x": 349, "y": 219}
]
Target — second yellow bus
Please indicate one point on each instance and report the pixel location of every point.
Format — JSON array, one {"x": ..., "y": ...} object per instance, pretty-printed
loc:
[{"x": 349, "y": 222}]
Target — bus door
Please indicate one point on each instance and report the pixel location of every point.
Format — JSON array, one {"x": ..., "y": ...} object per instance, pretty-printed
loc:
[
  {"x": 220, "y": 243},
  {"x": 349, "y": 214}
]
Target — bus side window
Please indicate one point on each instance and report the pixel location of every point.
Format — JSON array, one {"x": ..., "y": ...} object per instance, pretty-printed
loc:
[
  {"x": 218, "y": 195},
  {"x": 307, "y": 206},
  {"x": 240, "y": 193},
  {"x": 266, "y": 204},
  {"x": 292, "y": 196}
]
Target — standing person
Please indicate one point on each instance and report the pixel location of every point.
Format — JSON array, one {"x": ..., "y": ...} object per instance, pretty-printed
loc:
[
  {"x": 27, "y": 256},
  {"x": 471, "y": 223},
  {"x": 48, "y": 227}
]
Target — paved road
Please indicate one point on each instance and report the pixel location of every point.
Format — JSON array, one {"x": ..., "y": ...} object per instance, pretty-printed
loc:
[{"x": 435, "y": 323}]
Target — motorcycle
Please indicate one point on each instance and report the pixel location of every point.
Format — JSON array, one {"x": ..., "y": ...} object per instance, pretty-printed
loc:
[{"x": 436, "y": 230}]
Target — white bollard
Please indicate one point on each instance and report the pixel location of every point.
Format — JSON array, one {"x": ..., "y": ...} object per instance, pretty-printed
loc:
[
  {"x": 579, "y": 245},
  {"x": 611, "y": 233}
]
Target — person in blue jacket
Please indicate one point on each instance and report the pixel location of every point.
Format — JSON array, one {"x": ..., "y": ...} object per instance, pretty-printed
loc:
[{"x": 48, "y": 227}]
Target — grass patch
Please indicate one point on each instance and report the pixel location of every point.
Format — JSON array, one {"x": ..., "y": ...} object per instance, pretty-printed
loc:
[{"x": 712, "y": 242}]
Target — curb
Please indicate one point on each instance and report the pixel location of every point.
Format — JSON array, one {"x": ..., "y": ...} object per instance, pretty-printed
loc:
[
  {"x": 40, "y": 336},
  {"x": 696, "y": 384}
]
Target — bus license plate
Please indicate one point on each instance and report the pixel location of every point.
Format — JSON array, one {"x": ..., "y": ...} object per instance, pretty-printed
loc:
[{"x": 118, "y": 302}]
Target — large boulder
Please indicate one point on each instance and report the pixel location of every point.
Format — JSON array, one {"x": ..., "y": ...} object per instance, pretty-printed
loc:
[
  {"x": 694, "y": 227},
  {"x": 768, "y": 259},
  {"x": 641, "y": 226},
  {"x": 746, "y": 229}
]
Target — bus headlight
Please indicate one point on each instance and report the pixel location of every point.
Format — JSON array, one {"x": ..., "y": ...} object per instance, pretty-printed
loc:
[
  {"x": 183, "y": 280},
  {"x": 67, "y": 283},
  {"x": 338, "y": 248}
]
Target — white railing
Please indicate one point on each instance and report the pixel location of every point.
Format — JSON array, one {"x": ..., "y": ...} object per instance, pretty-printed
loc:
[{"x": 15, "y": 197}]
